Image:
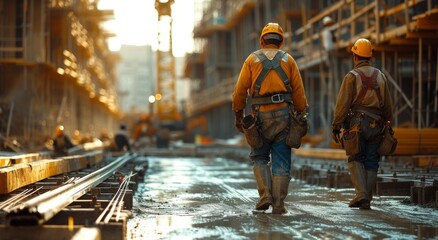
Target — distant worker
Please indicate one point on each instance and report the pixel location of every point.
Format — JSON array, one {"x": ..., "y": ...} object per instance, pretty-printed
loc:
[
  {"x": 272, "y": 78},
  {"x": 363, "y": 105},
  {"x": 143, "y": 131},
  {"x": 61, "y": 142},
  {"x": 121, "y": 140},
  {"x": 328, "y": 38}
]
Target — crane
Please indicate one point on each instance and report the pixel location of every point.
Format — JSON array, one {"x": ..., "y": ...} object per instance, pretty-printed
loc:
[
  {"x": 167, "y": 111},
  {"x": 171, "y": 122}
]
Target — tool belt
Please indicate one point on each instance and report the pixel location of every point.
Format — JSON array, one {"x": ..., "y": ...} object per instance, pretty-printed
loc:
[
  {"x": 298, "y": 127},
  {"x": 388, "y": 143},
  {"x": 251, "y": 132},
  {"x": 351, "y": 140},
  {"x": 370, "y": 114},
  {"x": 274, "y": 98}
]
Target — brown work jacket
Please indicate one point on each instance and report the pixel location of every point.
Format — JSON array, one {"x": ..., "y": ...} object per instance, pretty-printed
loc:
[
  {"x": 251, "y": 69},
  {"x": 350, "y": 88}
]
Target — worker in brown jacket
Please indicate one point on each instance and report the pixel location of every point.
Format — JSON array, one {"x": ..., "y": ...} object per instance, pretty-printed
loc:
[
  {"x": 272, "y": 79},
  {"x": 363, "y": 106}
]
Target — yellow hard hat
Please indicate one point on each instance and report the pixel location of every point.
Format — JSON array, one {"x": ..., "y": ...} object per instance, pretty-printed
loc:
[
  {"x": 272, "y": 31},
  {"x": 363, "y": 47}
]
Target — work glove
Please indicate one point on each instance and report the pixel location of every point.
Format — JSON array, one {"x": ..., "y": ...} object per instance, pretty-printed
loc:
[
  {"x": 336, "y": 133},
  {"x": 302, "y": 118},
  {"x": 238, "y": 117}
]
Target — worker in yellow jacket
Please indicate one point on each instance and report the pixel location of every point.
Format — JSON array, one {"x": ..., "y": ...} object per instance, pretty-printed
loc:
[{"x": 272, "y": 79}]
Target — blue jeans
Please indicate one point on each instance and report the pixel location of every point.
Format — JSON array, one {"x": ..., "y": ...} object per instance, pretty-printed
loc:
[
  {"x": 369, "y": 143},
  {"x": 280, "y": 154}
]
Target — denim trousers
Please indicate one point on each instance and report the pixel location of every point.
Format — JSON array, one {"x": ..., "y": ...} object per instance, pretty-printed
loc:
[
  {"x": 369, "y": 143},
  {"x": 278, "y": 153}
]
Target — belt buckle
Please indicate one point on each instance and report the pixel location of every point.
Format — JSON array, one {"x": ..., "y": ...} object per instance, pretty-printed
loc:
[{"x": 277, "y": 98}]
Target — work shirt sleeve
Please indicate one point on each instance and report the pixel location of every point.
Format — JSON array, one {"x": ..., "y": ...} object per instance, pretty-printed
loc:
[
  {"x": 387, "y": 113},
  {"x": 242, "y": 86},
  {"x": 344, "y": 99},
  {"x": 298, "y": 95}
]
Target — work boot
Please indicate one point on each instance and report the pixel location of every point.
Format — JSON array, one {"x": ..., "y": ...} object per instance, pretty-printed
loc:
[
  {"x": 358, "y": 178},
  {"x": 371, "y": 178},
  {"x": 280, "y": 187},
  {"x": 262, "y": 175}
]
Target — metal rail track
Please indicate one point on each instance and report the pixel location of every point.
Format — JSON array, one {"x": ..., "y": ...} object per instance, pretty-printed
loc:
[{"x": 42, "y": 208}]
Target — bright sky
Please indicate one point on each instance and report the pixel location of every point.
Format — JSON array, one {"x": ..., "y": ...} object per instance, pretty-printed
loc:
[{"x": 136, "y": 23}]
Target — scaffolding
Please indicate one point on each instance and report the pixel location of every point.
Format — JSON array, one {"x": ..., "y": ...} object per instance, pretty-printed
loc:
[
  {"x": 403, "y": 33},
  {"x": 55, "y": 68}
]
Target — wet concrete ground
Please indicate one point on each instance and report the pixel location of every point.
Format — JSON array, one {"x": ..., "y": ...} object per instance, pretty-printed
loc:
[{"x": 213, "y": 198}]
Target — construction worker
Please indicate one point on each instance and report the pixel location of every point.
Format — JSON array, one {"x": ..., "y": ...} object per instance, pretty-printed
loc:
[
  {"x": 363, "y": 105},
  {"x": 121, "y": 140},
  {"x": 61, "y": 142},
  {"x": 272, "y": 95},
  {"x": 327, "y": 35},
  {"x": 144, "y": 132}
]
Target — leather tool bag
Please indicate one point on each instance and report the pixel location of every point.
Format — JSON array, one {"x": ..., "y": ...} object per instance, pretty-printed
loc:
[
  {"x": 252, "y": 135},
  {"x": 297, "y": 130},
  {"x": 388, "y": 143},
  {"x": 351, "y": 141}
]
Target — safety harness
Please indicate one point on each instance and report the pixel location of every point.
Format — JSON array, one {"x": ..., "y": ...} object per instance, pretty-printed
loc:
[
  {"x": 368, "y": 83},
  {"x": 268, "y": 65}
]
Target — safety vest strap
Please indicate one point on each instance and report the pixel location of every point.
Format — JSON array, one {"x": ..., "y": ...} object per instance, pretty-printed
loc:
[
  {"x": 268, "y": 65},
  {"x": 368, "y": 83}
]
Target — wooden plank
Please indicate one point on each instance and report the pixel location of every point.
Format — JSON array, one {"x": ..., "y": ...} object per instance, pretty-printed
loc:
[
  {"x": 323, "y": 153},
  {"x": 428, "y": 23},
  {"x": 411, "y": 141},
  {"x": 22, "y": 158},
  {"x": 432, "y": 34},
  {"x": 20, "y": 175},
  {"x": 396, "y": 9},
  {"x": 318, "y": 17}
]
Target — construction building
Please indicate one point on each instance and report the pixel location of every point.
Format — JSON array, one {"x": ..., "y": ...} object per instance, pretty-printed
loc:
[
  {"x": 55, "y": 68},
  {"x": 403, "y": 33}
]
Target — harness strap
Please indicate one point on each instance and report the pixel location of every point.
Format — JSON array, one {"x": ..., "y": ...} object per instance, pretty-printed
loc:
[
  {"x": 267, "y": 66},
  {"x": 274, "y": 98},
  {"x": 369, "y": 83}
]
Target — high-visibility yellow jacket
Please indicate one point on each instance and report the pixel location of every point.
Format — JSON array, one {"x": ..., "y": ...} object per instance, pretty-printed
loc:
[{"x": 272, "y": 84}]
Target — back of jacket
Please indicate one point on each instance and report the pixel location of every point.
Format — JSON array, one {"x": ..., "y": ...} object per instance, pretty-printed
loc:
[
  {"x": 272, "y": 84},
  {"x": 351, "y": 87}
]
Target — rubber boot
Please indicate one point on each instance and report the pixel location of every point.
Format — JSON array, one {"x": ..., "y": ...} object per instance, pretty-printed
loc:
[
  {"x": 262, "y": 175},
  {"x": 358, "y": 178},
  {"x": 371, "y": 178},
  {"x": 280, "y": 187}
]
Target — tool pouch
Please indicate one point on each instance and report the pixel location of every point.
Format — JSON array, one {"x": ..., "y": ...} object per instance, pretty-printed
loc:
[
  {"x": 252, "y": 135},
  {"x": 388, "y": 143},
  {"x": 351, "y": 141},
  {"x": 297, "y": 130}
]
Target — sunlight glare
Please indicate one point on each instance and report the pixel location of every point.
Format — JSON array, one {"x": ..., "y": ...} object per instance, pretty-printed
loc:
[{"x": 136, "y": 23}]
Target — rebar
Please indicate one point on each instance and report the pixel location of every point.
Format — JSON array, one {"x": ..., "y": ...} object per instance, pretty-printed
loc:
[{"x": 40, "y": 209}]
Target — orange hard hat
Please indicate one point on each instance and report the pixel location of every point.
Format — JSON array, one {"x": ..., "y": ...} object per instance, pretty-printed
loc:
[
  {"x": 143, "y": 117},
  {"x": 59, "y": 130},
  {"x": 272, "y": 31},
  {"x": 363, "y": 47}
]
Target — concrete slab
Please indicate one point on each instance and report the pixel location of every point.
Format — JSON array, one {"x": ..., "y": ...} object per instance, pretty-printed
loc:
[{"x": 213, "y": 198}]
